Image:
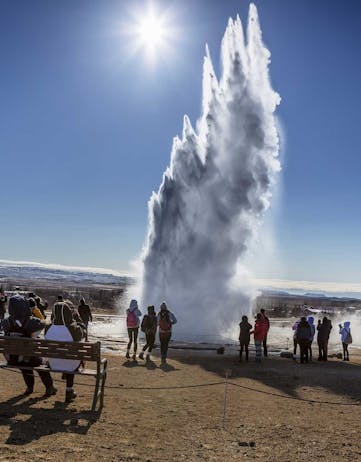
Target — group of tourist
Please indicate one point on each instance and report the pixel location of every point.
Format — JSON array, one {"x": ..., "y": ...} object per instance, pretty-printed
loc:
[
  {"x": 260, "y": 331},
  {"x": 151, "y": 322},
  {"x": 27, "y": 318},
  {"x": 304, "y": 334}
]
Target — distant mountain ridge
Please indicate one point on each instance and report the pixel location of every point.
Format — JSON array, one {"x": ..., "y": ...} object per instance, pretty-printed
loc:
[{"x": 29, "y": 271}]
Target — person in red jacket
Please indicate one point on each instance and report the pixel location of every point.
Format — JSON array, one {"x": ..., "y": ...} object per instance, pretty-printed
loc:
[
  {"x": 265, "y": 318},
  {"x": 259, "y": 333}
]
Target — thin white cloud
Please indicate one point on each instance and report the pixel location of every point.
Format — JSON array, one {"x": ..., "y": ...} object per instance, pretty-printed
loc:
[
  {"x": 308, "y": 286},
  {"x": 56, "y": 266}
]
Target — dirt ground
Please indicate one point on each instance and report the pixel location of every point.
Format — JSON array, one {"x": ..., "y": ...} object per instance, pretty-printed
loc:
[{"x": 186, "y": 424}]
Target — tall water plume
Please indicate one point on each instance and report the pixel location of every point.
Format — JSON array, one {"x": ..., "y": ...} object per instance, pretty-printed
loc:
[{"x": 213, "y": 195}]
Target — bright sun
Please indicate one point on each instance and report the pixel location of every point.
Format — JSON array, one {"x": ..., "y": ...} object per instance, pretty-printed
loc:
[{"x": 151, "y": 31}]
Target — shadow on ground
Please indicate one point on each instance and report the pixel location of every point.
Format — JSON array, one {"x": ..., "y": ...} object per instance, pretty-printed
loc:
[
  {"x": 42, "y": 421},
  {"x": 285, "y": 375}
]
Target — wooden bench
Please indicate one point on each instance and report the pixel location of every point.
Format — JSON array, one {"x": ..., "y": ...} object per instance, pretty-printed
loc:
[{"x": 40, "y": 348}]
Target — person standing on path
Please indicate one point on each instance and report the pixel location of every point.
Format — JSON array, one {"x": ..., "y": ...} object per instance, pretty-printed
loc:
[
  {"x": 294, "y": 328},
  {"x": 244, "y": 337},
  {"x": 259, "y": 333},
  {"x": 303, "y": 334},
  {"x": 149, "y": 327},
  {"x": 85, "y": 315},
  {"x": 323, "y": 334},
  {"x": 133, "y": 314},
  {"x": 266, "y": 320},
  {"x": 165, "y": 319},
  {"x": 346, "y": 339},
  {"x": 310, "y": 321}
]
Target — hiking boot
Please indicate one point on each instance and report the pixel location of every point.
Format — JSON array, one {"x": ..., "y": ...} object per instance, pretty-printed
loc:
[
  {"x": 28, "y": 391},
  {"x": 141, "y": 355},
  {"x": 147, "y": 357},
  {"x": 70, "y": 395},
  {"x": 134, "y": 357},
  {"x": 51, "y": 391},
  {"x": 127, "y": 355}
]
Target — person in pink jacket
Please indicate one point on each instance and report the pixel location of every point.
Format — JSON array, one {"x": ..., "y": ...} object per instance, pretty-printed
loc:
[
  {"x": 259, "y": 334},
  {"x": 133, "y": 314}
]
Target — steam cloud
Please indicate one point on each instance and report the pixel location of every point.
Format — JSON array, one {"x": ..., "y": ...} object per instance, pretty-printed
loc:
[{"x": 216, "y": 189}]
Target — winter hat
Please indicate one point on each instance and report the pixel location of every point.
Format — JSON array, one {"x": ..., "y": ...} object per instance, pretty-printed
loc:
[
  {"x": 133, "y": 305},
  {"x": 310, "y": 319},
  {"x": 163, "y": 306},
  {"x": 151, "y": 309}
]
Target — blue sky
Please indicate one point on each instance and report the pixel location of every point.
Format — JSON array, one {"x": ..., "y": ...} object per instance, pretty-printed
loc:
[{"x": 86, "y": 127}]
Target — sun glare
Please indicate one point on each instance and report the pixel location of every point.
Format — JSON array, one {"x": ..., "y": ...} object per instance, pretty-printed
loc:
[{"x": 151, "y": 32}]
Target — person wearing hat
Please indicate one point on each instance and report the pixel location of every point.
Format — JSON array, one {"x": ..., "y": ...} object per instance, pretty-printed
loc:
[
  {"x": 133, "y": 314},
  {"x": 21, "y": 323},
  {"x": 244, "y": 337},
  {"x": 149, "y": 327},
  {"x": 85, "y": 315},
  {"x": 165, "y": 319}
]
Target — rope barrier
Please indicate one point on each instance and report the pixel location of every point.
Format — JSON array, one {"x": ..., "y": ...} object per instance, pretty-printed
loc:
[
  {"x": 313, "y": 401},
  {"x": 210, "y": 384}
]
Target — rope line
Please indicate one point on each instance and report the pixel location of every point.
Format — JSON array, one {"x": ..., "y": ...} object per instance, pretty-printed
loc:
[
  {"x": 278, "y": 395},
  {"x": 210, "y": 384}
]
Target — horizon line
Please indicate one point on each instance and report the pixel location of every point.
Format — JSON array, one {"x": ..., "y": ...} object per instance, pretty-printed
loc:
[{"x": 265, "y": 283}]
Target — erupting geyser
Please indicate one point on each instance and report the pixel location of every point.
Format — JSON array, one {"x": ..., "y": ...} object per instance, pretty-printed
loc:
[{"x": 216, "y": 190}]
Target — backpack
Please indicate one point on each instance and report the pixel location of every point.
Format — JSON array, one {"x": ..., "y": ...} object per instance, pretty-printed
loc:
[
  {"x": 149, "y": 324},
  {"x": 19, "y": 307},
  {"x": 165, "y": 324},
  {"x": 132, "y": 320},
  {"x": 144, "y": 325},
  {"x": 348, "y": 338},
  {"x": 303, "y": 332}
]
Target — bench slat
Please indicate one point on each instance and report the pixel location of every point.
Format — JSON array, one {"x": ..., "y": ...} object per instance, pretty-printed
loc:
[
  {"x": 50, "y": 348},
  {"x": 88, "y": 372}
]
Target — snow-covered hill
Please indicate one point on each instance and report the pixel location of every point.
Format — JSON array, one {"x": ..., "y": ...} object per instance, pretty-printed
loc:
[{"x": 37, "y": 271}]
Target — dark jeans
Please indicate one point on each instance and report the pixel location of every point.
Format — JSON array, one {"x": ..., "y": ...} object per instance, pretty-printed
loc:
[
  {"x": 69, "y": 380},
  {"x": 304, "y": 345},
  {"x": 294, "y": 346},
  {"x": 322, "y": 349},
  {"x": 241, "y": 346},
  {"x": 133, "y": 337},
  {"x": 265, "y": 352},
  {"x": 150, "y": 339},
  {"x": 29, "y": 378},
  {"x": 86, "y": 330},
  {"x": 28, "y": 375},
  {"x": 164, "y": 339},
  {"x": 345, "y": 351},
  {"x": 310, "y": 350}
]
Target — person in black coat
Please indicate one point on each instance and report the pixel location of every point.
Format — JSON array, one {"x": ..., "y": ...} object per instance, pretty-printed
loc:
[
  {"x": 21, "y": 323},
  {"x": 303, "y": 334},
  {"x": 244, "y": 337},
  {"x": 85, "y": 315},
  {"x": 323, "y": 335}
]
